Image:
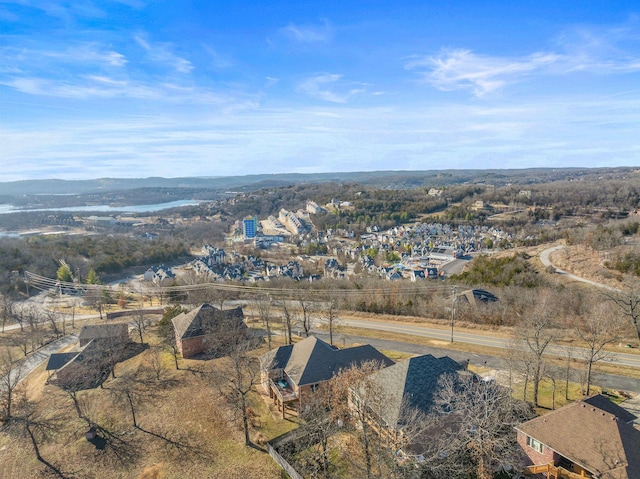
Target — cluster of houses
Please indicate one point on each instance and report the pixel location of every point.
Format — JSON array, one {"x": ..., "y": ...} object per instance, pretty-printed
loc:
[
  {"x": 159, "y": 275},
  {"x": 216, "y": 265},
  {"x": 591, "y": 438},
  {"x": 422, "y": 250}
]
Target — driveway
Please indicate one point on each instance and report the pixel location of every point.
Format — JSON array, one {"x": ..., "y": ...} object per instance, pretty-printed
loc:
[{"x": 27, "y": 365}]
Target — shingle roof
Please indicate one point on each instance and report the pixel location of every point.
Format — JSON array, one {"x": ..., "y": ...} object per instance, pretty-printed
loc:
[
  {"x": 195, "y": 322},
  {"x": 57, "y": 360},
  {"x": 103, "y": 331},
  {"x": 601, "y": 402},
  {"x": 591, "y": 437},
  {"x": 312, "y": 360},
  {"x": 413, "y": 383}
]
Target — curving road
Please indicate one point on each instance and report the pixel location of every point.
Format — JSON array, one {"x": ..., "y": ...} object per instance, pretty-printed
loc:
[{"x": 546, "y": 261}]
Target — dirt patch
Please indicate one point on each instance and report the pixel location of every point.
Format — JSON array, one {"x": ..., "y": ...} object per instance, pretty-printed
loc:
[{"x": 591, "y": 264}]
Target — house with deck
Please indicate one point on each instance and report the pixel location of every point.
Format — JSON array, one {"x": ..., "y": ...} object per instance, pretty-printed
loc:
[
  {"x": 293, "y": 372},
  {"x": 592, "y": 438}
]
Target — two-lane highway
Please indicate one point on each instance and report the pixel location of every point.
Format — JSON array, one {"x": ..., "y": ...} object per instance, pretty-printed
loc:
[{"x": 623, "y": 359}]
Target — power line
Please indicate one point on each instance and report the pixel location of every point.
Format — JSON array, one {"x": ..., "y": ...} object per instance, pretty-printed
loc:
[{"x": 43, "y": 283}]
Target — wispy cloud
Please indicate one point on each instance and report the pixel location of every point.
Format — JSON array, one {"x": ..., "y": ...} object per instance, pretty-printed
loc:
[
  {"x": 163, "y": 53},
  {"x": 33, "y": 58},
  {"x": 308, "y": 33},
  {"x": 330, "y": 87},
  {"x": 103, "y": 87},
  {"x": 218, "y": 60},
  {"x": 612, "y": 50},
  {"x": 462, "y": 69},
  {"x": 329, "y": 138}
]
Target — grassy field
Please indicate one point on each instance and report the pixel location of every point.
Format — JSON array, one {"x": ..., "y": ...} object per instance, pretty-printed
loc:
[{"x": 186, "y": 428}]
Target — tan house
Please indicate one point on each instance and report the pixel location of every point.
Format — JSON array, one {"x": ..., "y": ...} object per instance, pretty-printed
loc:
[
  {"x": 292, "y": 372},
  {"x": 198, "y": 330},
  {"x": 591, "y": 438}
]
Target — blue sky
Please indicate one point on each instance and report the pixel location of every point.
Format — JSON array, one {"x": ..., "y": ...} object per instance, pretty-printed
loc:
[{"x": 135, "y": 88}]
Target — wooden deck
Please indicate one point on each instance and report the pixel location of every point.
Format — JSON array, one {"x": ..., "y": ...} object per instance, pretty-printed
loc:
[{"x": 555, "y": 472}]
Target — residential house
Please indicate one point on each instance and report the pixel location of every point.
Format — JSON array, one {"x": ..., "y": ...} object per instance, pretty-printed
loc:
[
  {"x": 100, "y": 348},
  {"x": 417, "y": 274},
  {"x": 159, "y": 275},
  {"x": 590, "y": 438},
  {"x": 206, "y": 328},
  {"x": 292, "y": 372},
  {"x": 403, "y": 388},
  {"x": 116, "y": 332}
]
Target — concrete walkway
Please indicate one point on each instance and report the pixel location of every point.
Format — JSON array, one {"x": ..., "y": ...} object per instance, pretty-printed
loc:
[{"x": 633, "y": 406}]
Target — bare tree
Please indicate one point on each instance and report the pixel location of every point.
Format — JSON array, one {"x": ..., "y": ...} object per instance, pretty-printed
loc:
[
  {"x": 238, "y": 373},
  {"x": 133, "y": 392},
  {"x": 167, "y": 333},
  {"x": 11, "y": 372},
  {"x": 471, "y": 429},
  {"x": 288, "y": 319},
  {"x": 139, "y": 321},
  {"x": 364, "y": 397},
  {"x": 330, "y": 314},
  {"x": 155, "y": 363},
  {"x": 263, "y": 306},
  {"x": 628, "y": 302},
  {"x": 596, "y": 330},
  {"x": 6, "y": 310},
  {"x": 535, "y": 334},
  {"x": 320, "y": 423},
  {"x": 52, "y": 317},
  {"x": 306, "y": 320}
]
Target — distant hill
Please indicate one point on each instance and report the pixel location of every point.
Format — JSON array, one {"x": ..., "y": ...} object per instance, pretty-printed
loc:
[{"x": 382, "y": 179}]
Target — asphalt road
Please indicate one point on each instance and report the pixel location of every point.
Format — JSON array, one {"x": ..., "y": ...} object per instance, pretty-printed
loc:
[
  {"x": 624, "y": 359},
  {"x": 608, "y": 381}
]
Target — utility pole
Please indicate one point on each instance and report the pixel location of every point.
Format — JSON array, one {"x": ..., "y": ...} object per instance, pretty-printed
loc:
[{"x": 453, "y": 309}]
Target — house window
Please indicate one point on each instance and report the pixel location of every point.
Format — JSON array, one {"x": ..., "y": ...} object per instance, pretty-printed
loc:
[
  {"x": 314, "y": 387},
  {"x": 534, "y": 444}
]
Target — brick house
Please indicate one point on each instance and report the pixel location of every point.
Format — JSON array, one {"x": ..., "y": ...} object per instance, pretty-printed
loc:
[
  {"x": 588, "y": 438},
  {"x": 292, "y": 372},
  {"x": 200, "y": 329}
]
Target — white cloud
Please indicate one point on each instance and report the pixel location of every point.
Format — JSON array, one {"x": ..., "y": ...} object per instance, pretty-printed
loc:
[
  {"x": 308, "y": 33},
  {"x": 602, "y": 51},
  {"x": 330, "y": 138},
  {"x": 163, "y": 53},
  {"x": 100, "y": 86},
  {"x": 330, "y": 87},
  {"x": 462, "y": 69}
]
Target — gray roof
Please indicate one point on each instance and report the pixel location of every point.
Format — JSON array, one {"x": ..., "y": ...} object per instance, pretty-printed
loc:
[
  {"x": 103, "y": 331},
  {"x": 312, "y": 360},
  {"x": 57, "y": 360},
  {"x": 198, "y": 320},
  {"x": 411, "y": 383}
]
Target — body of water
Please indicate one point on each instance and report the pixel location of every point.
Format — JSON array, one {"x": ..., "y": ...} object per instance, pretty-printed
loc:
[{"x": 5, "y": 208}]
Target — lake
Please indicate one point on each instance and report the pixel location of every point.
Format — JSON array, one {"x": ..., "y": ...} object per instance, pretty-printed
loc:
[{"x": 7, "y": 208}]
